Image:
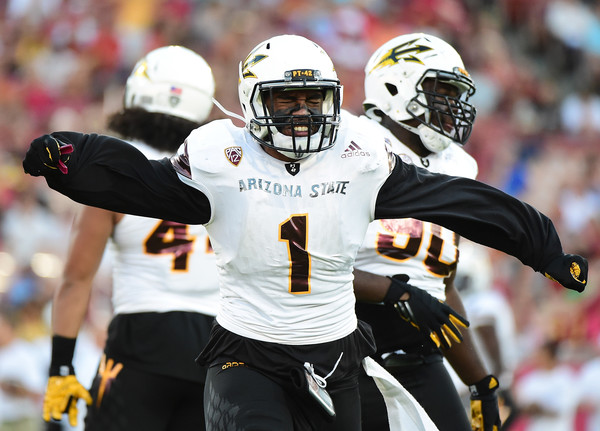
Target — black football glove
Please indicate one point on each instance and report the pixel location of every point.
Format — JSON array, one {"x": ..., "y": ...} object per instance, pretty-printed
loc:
[
  {"x": 47, "y": 155},
  {"x": 570, "y": 270},
  {"x": 425, "y": 312},
  {"x": 485, "y": 411}
]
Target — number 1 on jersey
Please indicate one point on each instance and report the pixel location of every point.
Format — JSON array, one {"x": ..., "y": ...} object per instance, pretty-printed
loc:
[{"x": 294, "y": 231}]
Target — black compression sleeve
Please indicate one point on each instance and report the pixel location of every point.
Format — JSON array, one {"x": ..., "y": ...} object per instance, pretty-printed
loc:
[
  {"x": 112, "y": 174},
  {"x": 472, "y": 209}
]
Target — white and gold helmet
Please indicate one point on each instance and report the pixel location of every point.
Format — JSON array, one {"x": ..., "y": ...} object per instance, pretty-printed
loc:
[
  {"x": 394, "y": 77},
  {"x": 172, "y": 80},
  {"x": 289, "y": 62}
]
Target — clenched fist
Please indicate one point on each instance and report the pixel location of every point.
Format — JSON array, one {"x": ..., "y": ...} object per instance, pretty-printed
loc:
[
  {"x": 47, "y": 155},
  {"x": 570, "y": 270}
]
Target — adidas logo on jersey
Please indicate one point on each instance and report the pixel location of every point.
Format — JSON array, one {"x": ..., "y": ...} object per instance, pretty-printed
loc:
[{"x": 354, "y": 150}]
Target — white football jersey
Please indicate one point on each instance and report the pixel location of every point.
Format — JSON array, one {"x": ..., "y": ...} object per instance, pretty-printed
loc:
[
  {"x": 490, "y": 307},
  {"x": 161, "y": 266},
  {"x": 426, "y": 252},
  {"x": 305, "y": 220}
]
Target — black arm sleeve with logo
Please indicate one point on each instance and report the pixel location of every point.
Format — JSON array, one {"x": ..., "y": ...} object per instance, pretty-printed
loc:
[
  {"x": 472, "y": 209},
  {"x": 110, "y": 173}
]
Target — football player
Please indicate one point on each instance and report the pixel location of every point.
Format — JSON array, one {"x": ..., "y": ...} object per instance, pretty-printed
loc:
[
  {"x": 165, "y": 288},
  {"x": 286, "y": 209},
  {"x": 417, "y": 91}
]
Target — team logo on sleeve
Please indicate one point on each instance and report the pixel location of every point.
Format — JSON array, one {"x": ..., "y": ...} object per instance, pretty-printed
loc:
[{"x": 234, "y": 155}]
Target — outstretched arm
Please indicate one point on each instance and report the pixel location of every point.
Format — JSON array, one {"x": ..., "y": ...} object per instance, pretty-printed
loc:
[
  {"x": 109, "y": 173},
  {"x": 482, "y": 214}
]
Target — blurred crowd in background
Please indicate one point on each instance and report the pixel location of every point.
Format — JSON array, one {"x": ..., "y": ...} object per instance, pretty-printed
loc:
[{"x": 536, "y": 65}]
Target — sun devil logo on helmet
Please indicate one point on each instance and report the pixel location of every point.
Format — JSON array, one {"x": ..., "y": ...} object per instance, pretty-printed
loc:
[
  {"x": 251, "y": 62},
  {"x": 404, "y": 52},
  {"x": 142, "y": 69}
]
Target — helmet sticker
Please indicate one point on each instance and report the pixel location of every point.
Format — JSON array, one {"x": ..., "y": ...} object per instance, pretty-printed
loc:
[
  {"x": 462, "y": 71},
  {"x": 401, "y": 52},
  {"x": 251, "y": 62},
  {"x": 142, "y": 69},
  {"x": 302, "y": 74}
]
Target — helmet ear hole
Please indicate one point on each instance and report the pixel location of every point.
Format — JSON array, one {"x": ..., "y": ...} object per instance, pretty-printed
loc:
[{"x": 393, "y": 90}]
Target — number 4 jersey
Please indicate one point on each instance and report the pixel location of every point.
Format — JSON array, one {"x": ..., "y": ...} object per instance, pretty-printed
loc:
[
  {"x": 424, "y": 251},
  {"x": 161, "y": 266}
]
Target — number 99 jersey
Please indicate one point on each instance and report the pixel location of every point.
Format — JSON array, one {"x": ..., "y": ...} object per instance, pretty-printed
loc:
[{"x": 424, "y": 251}]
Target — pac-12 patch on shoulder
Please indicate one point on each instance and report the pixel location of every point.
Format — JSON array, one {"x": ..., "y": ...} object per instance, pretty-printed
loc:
[{"x": 234, "y": 155}]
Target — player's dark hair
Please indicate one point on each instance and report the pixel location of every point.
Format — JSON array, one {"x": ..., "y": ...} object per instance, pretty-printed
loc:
[{"x": 160, "y": 131}]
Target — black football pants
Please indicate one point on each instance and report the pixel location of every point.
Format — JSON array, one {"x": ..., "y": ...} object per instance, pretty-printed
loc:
[
  {"x": 267, "y": 406},
  {"x": 137, "y": 400}
]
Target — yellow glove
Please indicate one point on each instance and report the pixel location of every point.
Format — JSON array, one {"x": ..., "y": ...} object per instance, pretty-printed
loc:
[
  {"x": 61, "y": 397},
  {"x": 485, "y": 411}
]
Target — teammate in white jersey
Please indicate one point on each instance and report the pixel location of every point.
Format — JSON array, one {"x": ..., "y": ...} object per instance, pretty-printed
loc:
[
  {"x": 417, "y": 92},
  {"x": 286, "y": 209},
  {"x": 492, "y": 324},
  {"x": 165, "y": 287}
]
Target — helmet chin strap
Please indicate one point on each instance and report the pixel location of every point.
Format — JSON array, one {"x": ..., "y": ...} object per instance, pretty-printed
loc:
[
  {"x": 432, "y": 140},
  {"x": 227, "y": 112}
]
